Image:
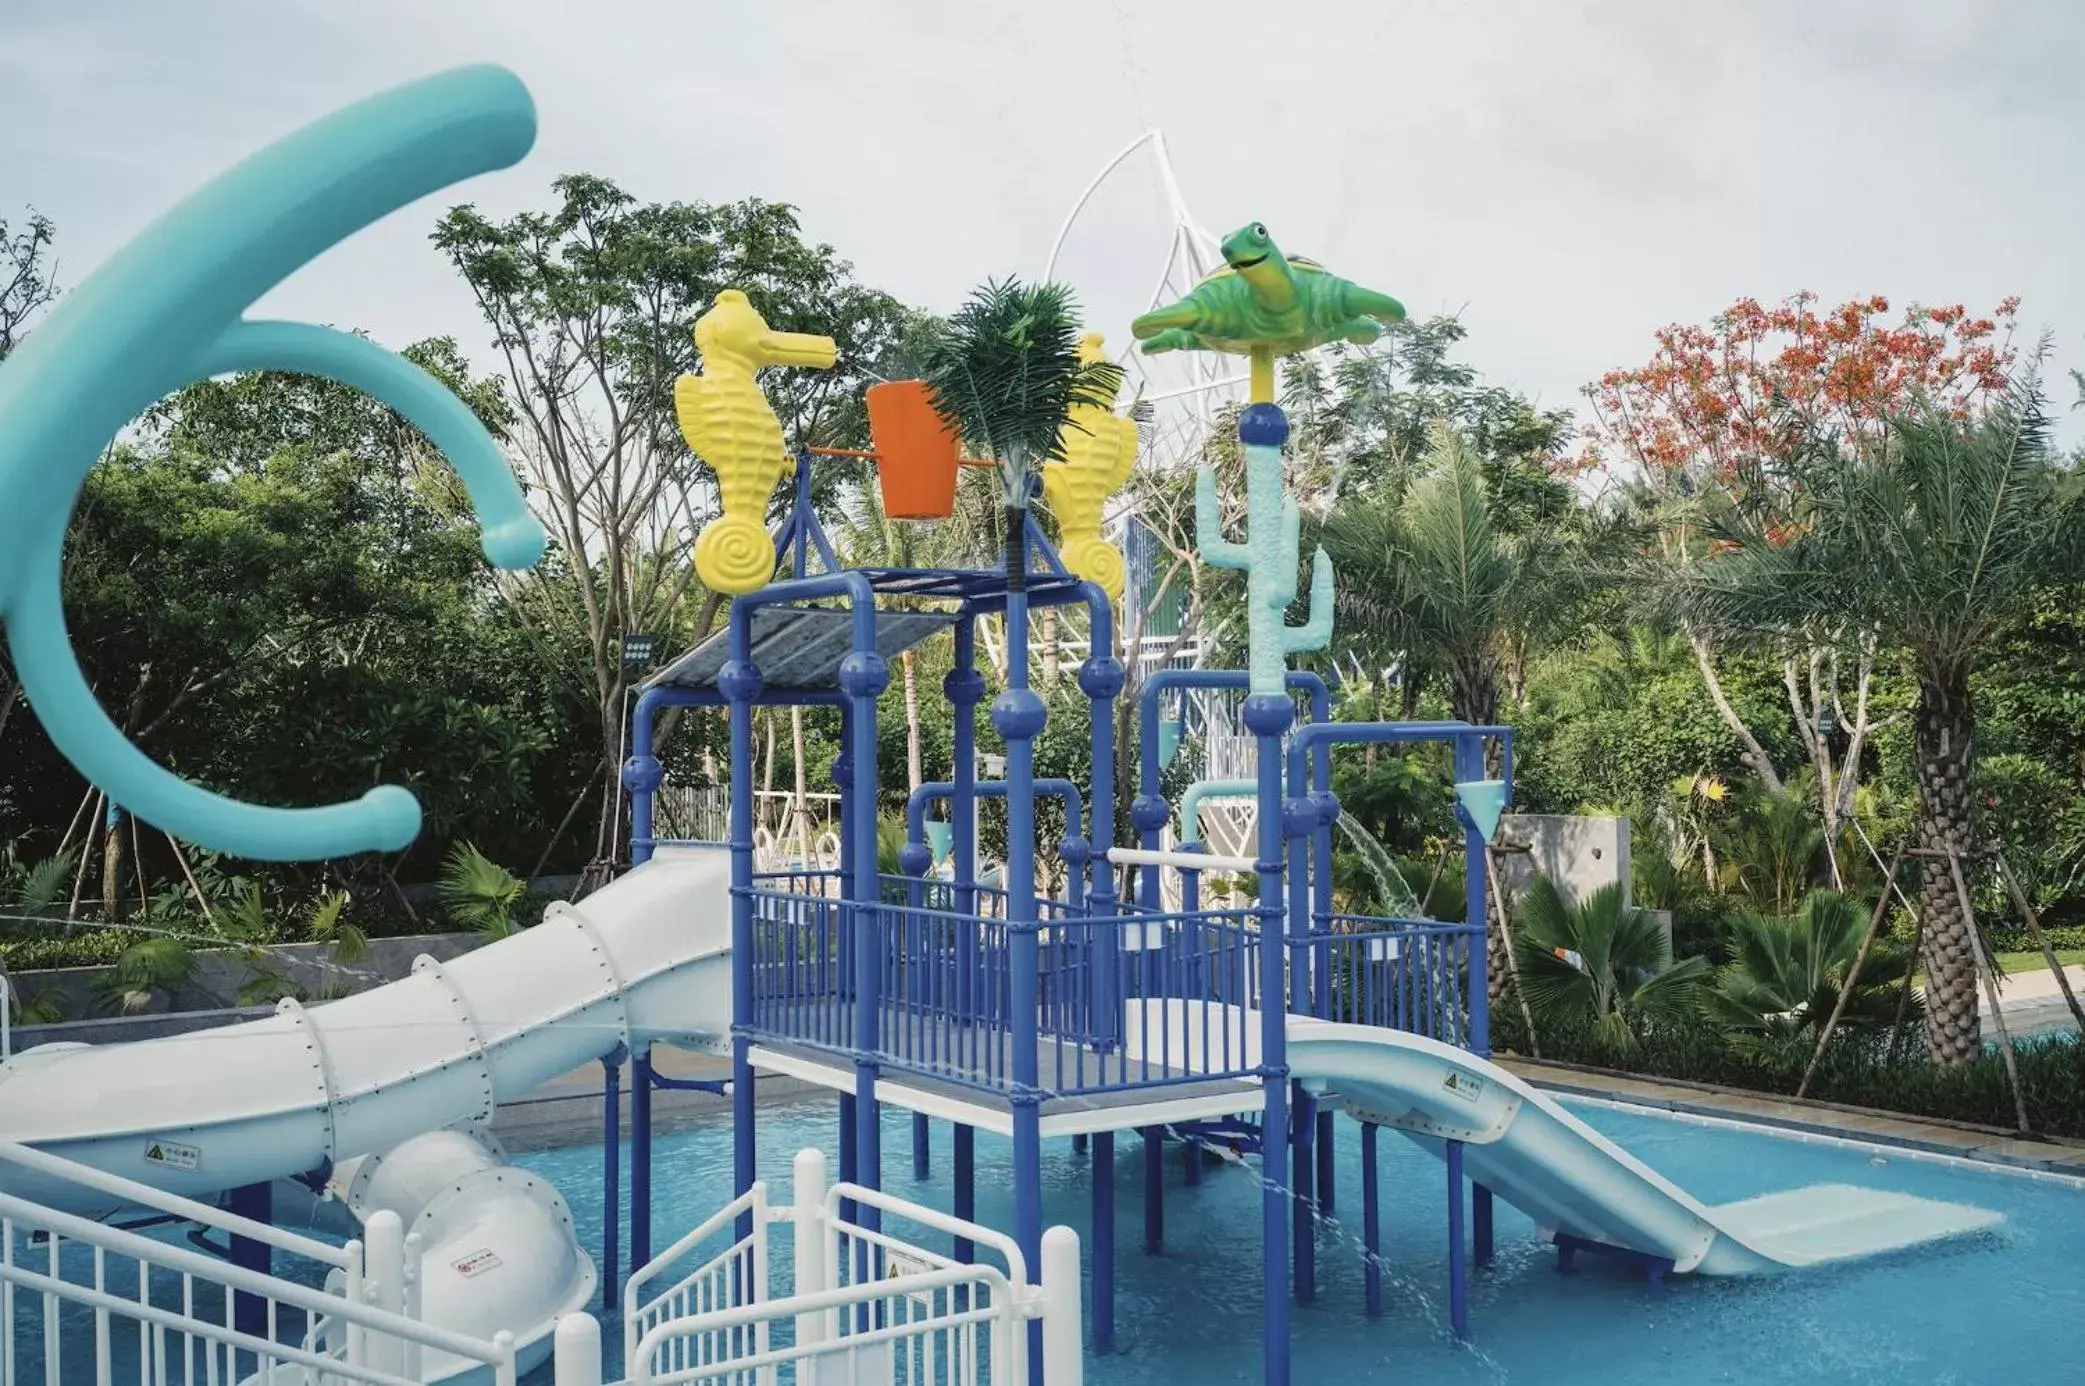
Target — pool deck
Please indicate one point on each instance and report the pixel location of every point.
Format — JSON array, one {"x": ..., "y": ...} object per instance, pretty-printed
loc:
[{"x": 1990, "y": 1144}]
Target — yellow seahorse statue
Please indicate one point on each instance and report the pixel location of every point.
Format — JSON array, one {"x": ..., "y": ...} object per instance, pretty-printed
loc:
[
  {"x": 1100, "y": 448},
  {"x": 731, "y": 426}
]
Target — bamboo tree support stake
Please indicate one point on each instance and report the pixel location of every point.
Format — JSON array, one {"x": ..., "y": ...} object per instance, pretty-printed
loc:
[
  {"x": 1498, "y": 894},
  {"x": 1983, "y": 972},
  {"x": 1853, "y": 974},
  {"x": 200, "y": 899},
  {"x": 2041, "y": 940},
  {"x": 87, "y": 840}
]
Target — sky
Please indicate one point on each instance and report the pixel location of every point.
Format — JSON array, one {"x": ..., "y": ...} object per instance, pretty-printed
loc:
[{"x": 1566, "y": 176}]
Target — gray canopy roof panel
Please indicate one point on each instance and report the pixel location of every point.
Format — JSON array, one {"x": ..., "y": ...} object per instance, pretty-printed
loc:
[{"x": 799, "y": 647}]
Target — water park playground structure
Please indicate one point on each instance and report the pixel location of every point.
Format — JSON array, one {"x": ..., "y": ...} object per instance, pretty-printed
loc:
[{"x": 981, "y": 1006}]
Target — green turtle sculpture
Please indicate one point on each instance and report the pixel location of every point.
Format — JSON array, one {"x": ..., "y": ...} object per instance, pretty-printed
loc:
[{"x": 1265, "y": 304}]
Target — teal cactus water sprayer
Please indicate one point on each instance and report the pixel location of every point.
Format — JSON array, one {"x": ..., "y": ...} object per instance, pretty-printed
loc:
[{"x": 167, "y": 310}]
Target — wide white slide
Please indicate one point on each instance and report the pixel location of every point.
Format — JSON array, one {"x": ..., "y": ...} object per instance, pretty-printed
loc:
[
  {"x": 385, "y": 1092},
  {"x": 1571, "y": 1179}
]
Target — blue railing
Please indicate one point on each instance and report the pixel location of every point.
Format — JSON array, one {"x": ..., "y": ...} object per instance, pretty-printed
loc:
[
  {"x": 1134, "y": 1000},
  {"x": 1394, "y": 974}
]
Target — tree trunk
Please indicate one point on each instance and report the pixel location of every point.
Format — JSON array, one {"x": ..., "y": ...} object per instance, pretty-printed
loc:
[
  {"x": 1048, "y": 642},
  {"x": 801, "y": 800},
  {"x": 1946, "y": 767},
  {"x": 112, "y": 869},
  {"x": 915, "y": 766},
  {"x": 1755, "y": 755}
]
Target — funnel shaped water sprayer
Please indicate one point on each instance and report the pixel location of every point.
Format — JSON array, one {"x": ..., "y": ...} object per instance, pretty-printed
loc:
[{"x": 1481, "y": 801}]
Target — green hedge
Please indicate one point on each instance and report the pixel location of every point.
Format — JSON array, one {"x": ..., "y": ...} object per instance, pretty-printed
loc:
[{"x": 1858, "y": 1070}]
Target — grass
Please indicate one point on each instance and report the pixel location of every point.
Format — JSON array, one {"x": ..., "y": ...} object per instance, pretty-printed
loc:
[{"x": 2034, "y": 962}]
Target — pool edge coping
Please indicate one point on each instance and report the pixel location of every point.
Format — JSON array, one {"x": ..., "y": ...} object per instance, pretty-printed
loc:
[{"x": 1950, "y": 1143}]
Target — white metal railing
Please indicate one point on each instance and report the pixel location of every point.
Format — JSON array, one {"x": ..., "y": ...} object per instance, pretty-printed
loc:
[
  {"x": 71, "y": 1285},
  {"x": 723, "y": 1281},
  {"x": 6, "y": 1019},
  {"x": 864, "y": 1306}
]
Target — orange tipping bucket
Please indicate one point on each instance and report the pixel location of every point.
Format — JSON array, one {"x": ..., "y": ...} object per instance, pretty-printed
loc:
[{"x": 915, "y": 451}]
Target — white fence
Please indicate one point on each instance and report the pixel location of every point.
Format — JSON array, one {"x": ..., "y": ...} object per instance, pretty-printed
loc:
[
  {"x": 863, "y": 1309},
  {"x": 161, "y": 1314}
]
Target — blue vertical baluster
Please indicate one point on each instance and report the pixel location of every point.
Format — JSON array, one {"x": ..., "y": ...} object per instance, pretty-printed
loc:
[{"x": 963, "y": 1171}]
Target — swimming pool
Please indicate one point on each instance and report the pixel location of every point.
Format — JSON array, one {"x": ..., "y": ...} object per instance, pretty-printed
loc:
[{"x": 1992, "y": 1307}]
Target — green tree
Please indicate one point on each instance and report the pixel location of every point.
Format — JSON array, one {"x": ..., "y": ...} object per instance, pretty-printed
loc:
[
  {"x": 1786, "y": 972},
  {"x": 592, "y": 305},
  {"x": 1599, "y": 960},
  {"x": 1932, "y": 540}
]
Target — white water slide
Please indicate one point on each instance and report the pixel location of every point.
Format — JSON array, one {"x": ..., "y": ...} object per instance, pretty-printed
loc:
[
  {"x": 386, "y": 1090},
  {"x": 1572, "y": 1180}
]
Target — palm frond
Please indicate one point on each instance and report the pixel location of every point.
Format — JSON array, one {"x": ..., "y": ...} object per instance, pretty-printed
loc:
[{"x": 1005, "y": 373}]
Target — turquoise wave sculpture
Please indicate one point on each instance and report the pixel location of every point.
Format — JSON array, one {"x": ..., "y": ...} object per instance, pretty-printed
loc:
[{"x": 167, "y": 310}]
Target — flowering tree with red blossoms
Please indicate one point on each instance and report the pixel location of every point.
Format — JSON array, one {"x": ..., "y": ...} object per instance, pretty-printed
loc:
[{"x": 1719, "y": 412}]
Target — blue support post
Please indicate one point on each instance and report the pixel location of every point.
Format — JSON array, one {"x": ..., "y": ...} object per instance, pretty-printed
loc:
[
  {"x": 641, "y": 1160},
  {"x": 863, "y": 675},
  {"x": 1371, "y": 1222},
  {"x": 1458, "y": 1250},
  {"x": 922, "y": 1152},
  {"x": 611, "y": 1178},
  {"x": 1101, "y": 678},
  {"x": 1267, "y": 716},
  {"x": 964, "y": 687},
  {"x": 963, "y": 1172},
  {"x": 1103, "y": 1237},
  {"x": 739, "y": 682},
  {"x": 1469, "y": 765},
  {"x": 1304, "y": 1204},
  {"x": 1154, "y": 1188},
  {"x": 255, "y": 1201},
  {"x": 1326, "y": 812},
  {"x": 1019, "y": 715}
]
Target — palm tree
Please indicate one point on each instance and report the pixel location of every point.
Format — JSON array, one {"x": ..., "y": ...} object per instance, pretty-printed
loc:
[
  {"x": 1432, "y": 576},
  {"x": 1785, "y": 974},
  {"x": 480, "y": 893},
  {"x": 1930, "y": 542},
  {"x": 1600, "y": 960}
]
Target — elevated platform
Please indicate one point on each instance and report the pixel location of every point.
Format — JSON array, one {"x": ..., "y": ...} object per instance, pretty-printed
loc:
[{"x": 1110, "y": 1109}]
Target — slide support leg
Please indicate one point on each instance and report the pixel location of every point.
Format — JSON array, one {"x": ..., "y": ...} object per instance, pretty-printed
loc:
[
  {"x": 1458, "y": 1250},
  {"x": 963, "y": 1159},
  {"x": 1103, "y": 1241},
  {"x": 1371, "y": 1222}
]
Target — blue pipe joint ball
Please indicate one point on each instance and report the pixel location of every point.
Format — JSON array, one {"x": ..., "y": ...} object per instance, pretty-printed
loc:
[
  {"x": 1019, "y": 714},
  {"x": 1076, "y": 852},
  {"x": 1149, "y": 813},
  {"x": 914, "y": 858},
  {"x": 1268, "y": 714},
  {"x": 864, "y": 674},
  {"x": 643, "y": 774},
  {"x": 1299, "y": 817},
  {"x": 1327, "y": 805},
  {"x": 739, "y": 680},
  {"x": 1263, "y": 426},
  {"x": 1101, "y": 677},
  {"x": 963, "y": 687}
]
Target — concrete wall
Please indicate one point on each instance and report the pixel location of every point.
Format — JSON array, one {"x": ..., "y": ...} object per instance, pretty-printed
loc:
[
  {"x": 219, "y": 978},
  {"x": 1579, "y": 855}
]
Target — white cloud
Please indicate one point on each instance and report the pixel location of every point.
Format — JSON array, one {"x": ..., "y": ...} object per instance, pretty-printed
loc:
[{"x": 1570, "y": 176}]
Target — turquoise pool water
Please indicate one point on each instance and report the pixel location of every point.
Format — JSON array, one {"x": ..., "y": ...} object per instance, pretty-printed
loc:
[{"x": 2002, "y": 1306}]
